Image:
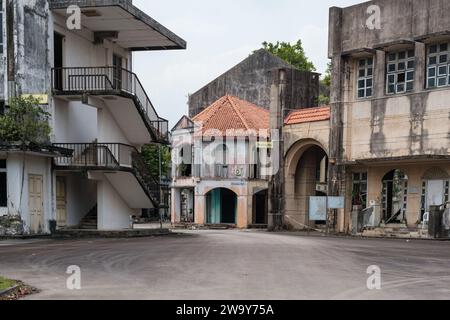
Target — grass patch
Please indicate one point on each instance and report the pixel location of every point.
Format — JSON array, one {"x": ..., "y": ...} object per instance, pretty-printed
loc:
[{"x": 6, "y": 283}]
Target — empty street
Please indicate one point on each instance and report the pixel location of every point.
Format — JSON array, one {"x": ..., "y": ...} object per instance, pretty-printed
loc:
[{"x": 230, "y": 265}]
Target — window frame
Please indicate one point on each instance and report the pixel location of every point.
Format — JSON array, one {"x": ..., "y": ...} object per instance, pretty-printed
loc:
[
  {"x": 435, "y": 64},
  {"x": 409, "y": 57},
  {"x": 366, "y": 67},
  {"x": 363, "y": 179}
]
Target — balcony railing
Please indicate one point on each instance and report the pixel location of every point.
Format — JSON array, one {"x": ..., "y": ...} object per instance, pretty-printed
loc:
[
  {"x": 109, "y": 80},
  {"x": 218, "y": 171},
  {"x": 110, "y": 156}
]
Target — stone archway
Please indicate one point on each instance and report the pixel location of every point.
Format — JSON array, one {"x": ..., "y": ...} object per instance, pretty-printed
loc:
[{"x": 306, "y": 176}]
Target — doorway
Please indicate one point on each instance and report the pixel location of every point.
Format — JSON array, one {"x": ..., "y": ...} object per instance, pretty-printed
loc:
[
  {"x": 35, "y": 203},
  {"x": 61, "y": 202},
  {"x": 221, "y": 206},
  {"x": 260, "y": 208},
  {"x": 58, "y": 62}
]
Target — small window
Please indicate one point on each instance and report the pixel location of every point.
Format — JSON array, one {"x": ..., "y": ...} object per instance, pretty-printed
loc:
[
  {"x": 400, "y": 72},
  {"x": 365, "y": 78},
  {"x": 438, "y": 74}
]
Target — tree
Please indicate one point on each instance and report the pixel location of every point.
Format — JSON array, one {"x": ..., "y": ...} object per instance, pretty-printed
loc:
[
  {"x": 292, "y": 54},
  {"x": 327, "y": 76},
  {"x": 25, "y": 123},
  {"x": 150, "y": 153}
]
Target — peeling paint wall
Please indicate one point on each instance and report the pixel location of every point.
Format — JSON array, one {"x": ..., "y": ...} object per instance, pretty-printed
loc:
[
  {"x": 31, "y": 27},
  {"x": 401, "y": 125}
]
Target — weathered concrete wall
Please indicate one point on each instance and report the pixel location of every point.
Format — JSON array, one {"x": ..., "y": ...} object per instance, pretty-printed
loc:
[
  {"x": 382, "y": 126},
  {"x": 251, "y": 80},
  {"x": 31, "y": 48},
  {"x": 400, "y": 19}
]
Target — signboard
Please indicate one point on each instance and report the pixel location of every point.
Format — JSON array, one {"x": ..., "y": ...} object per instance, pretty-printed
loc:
[
  {"x": 336, "y": 203},
  {"x": 264, "y": 145},
  {"x": 319, "y": 206}
]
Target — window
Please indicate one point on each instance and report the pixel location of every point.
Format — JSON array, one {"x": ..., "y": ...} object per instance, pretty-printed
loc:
[
  {"x": 365, "y": 78},
  {"x": 438, "y": 65},
  {"x": 400, "y": 72},
  {"x": 359, "y": 196},
  {"x": 3, "y": 193}
]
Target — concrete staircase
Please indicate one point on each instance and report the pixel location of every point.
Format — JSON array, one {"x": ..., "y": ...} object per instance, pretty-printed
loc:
[
  {"x": 90, "y": 221},
  {"x": 398, "y": 231}
]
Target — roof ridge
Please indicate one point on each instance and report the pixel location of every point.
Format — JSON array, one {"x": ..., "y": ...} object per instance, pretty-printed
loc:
[{"x": 238, "y": 112}]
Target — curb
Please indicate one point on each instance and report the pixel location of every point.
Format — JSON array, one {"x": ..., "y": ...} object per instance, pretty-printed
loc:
[{"x": 4, "y": 293}]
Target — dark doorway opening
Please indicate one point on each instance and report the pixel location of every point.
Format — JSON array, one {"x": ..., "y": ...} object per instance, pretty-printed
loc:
[
  {"x": 260, "y": 207},
  {"x": 221, "y": 206},
  {"x": 58, "y": 46}
]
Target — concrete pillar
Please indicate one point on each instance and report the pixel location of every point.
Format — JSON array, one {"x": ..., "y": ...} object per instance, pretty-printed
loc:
[
  {"x": 200, "y": 209},
  {"x": 420, "y": 68},
  {"x": 379, "y": 74},
  {"x": 175, "y": 210},
  {"x": 276, "y": 184}
]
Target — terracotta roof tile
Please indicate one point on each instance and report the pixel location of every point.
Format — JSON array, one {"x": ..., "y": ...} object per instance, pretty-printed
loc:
[
  {"x": 308, "y": 115},
  {"x": 230, "y": 113}
]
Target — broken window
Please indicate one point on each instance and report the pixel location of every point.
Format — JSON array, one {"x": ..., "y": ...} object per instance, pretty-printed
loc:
[
  {"x": 359, "y": 195},
  {"x": 365, "y": 78},
  {"x": 438, "y": 65},
  {"x": 400, "y": 72},
  {"x": 3, "y": 186}
]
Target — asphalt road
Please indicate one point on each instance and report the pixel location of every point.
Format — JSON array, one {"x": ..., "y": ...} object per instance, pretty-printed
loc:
[{"x": 230, "y": 265}]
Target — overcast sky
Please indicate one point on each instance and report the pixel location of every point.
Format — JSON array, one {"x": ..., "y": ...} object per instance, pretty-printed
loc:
[{"x": 220, "y": 34}]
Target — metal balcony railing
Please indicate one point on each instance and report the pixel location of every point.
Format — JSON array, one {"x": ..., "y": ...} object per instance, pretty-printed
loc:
[
  {"x": 236, "y": 171},
  {"x": 109, "y": 80},
  {"x": 110, "y": 156}
]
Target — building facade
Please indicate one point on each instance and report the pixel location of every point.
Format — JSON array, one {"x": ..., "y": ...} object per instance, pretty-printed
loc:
[
  {"x": 389, "y": 138},
  {"x": 219, "y": 158},
  {"x": 92, "y": 176}
]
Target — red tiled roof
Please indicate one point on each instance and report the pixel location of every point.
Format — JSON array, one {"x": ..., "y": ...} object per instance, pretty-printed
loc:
[
  {"x": 308, "y": 115},
  {"x": 230, "y": 113}
]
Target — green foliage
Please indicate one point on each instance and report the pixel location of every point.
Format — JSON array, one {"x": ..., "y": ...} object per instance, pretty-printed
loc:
[
  {"x": 327, "y": 76},
  {"x": 150, "y": 153},
  {"x": 292, "y": 54},
  {"x": 323, "y": 100},
  {"x": 25, "y": 123}
]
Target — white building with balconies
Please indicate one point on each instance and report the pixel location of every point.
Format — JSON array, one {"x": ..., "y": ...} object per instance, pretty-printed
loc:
[{"x": 92, "y": 175}]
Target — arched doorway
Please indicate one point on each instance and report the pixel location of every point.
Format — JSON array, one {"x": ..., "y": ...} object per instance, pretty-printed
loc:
[
  {"x": 221, "y": 206},
  {"x": 394, "y": 197},
  {"x": 311, "y": 179},
  {"x": 306, "y": 176},
  {"x": 261, "y": 207}
]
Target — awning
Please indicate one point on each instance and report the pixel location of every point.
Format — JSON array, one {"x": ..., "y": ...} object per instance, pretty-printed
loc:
[{"x": 123, "y": 23}]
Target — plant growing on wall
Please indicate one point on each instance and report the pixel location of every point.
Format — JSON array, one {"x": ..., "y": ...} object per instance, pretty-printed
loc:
[{"x": 25, "y": 123}]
